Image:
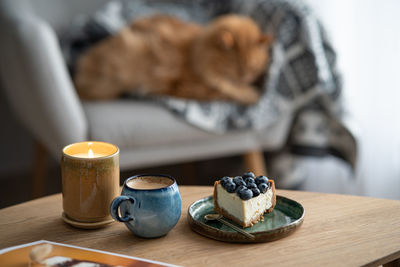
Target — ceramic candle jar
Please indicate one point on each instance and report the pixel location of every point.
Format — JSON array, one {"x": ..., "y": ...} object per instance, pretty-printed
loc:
[{"x": 90, "y": 181}]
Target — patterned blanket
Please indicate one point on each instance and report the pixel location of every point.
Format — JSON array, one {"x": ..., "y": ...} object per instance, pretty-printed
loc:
[{"x": 301, "y": 84}]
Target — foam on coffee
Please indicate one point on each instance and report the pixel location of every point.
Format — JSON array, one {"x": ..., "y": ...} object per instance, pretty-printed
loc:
[{"x": 149, "y": 182}]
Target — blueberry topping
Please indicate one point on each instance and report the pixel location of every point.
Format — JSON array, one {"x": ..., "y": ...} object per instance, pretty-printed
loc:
[
  {"x": 256, "y": 192},
  {"x": 251, "y": 185},
  {"x": 261, "y": 179},
  {"x": 263, "y": 187},
  {"x": 238, "y": 180},
  {"x": 246, "y": 186},
  {"x": 230, "y": 187},
  {"x": 249, "y": 180},
  {"x": 245, "y": 194},
  {"x": 248, "y": 174},
  {"x": 240, "y": 188}
]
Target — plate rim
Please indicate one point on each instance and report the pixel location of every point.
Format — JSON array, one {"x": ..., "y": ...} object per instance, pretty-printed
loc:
[{"x": 264, "y": 236}]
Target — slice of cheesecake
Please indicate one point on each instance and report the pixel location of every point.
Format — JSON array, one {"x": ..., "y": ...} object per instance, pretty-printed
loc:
[{"x": 244, "y": 199}]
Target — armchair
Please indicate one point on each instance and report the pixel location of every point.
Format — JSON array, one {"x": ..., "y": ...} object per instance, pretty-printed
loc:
[{"x": 41, "y": 93}]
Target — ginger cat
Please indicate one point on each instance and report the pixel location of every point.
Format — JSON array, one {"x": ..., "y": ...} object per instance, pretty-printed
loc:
[{"x": 163, "y": 55}]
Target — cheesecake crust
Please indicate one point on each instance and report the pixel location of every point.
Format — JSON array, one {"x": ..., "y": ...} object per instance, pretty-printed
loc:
[{"x": 224, "y": 213}]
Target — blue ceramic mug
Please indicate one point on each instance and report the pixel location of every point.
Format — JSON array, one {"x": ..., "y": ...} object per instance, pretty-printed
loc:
[{"x": 150, "y": 205}]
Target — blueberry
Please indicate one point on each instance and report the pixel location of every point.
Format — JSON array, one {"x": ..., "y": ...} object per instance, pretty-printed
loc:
[
  {"x": 263, "y": 187},
  {"x": 238, "y": 180},
  {"x": 249, "y": 180},
  {"x": 248, "y": 174},
  {"x": 261, "y": 179},
  {"x": 256, "y": 192},
  {"x": 230, "y": 187},
  {"x": 245, "y": 194},
  {"x": 251, "y": 185},
  {"x": 240, "y": 188},
  {"x": 224, "y": 180}
]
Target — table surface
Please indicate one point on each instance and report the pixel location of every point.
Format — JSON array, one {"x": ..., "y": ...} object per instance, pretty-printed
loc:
[{"x": 337, "y": 230}]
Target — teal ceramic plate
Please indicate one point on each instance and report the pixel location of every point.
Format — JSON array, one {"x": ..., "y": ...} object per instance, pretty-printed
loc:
[{"x": 286, "y": 217}]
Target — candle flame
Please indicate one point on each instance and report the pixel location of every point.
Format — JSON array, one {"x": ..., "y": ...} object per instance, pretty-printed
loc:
[{"x": 90, "y": 153}]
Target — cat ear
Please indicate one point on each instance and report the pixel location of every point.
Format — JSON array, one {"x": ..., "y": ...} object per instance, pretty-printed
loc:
[
  {"x": 266, "y": 39},
  {"x": 226, "y": 39}
]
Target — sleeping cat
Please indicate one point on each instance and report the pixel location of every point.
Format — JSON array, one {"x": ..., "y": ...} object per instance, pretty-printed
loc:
[{"x": 163, "y": 55}]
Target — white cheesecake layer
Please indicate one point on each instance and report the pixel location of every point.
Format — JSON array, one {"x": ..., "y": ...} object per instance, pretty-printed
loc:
[{"x": 244, "y": 210}]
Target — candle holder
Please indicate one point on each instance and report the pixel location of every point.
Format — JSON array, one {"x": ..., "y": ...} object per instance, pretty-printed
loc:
[{"x": 90, "y": 181}]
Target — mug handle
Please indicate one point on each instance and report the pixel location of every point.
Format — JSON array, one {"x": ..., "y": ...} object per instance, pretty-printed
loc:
[{"x": 114, "y": 208}]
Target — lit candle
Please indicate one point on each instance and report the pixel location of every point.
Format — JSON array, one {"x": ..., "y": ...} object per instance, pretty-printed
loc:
[
  {"x": 88, "y": 151},
  {"x": 90, "y": 181}
]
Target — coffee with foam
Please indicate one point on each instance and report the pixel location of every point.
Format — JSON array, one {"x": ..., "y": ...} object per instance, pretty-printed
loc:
[{"x": 149, "y": 182}]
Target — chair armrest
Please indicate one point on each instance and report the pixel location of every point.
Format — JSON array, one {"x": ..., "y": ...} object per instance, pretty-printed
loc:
[{"x": 37, "y": 84}]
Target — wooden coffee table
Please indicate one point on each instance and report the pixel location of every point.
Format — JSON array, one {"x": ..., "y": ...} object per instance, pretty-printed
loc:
[{"x": 338, "y": 230}]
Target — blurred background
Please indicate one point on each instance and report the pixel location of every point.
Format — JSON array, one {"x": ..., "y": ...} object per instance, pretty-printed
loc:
[
  {"x": 368, "y": 47},
  {"x": 366, "y": 38}
]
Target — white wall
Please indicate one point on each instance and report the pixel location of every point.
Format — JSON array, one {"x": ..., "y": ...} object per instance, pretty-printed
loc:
[{"x": 366, "y": 34}]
